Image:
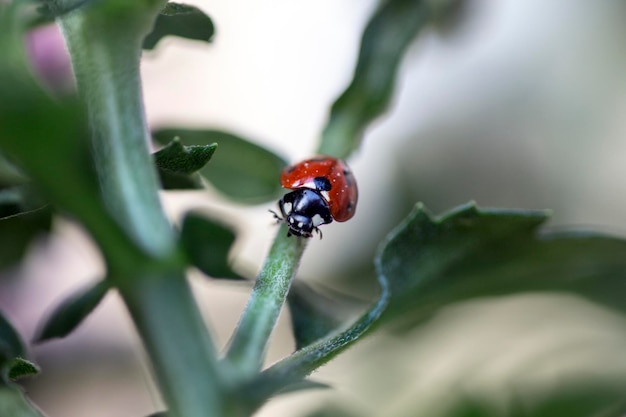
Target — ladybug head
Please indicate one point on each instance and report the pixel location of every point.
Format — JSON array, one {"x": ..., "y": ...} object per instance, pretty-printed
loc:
[{"x": 304, "y": 210}]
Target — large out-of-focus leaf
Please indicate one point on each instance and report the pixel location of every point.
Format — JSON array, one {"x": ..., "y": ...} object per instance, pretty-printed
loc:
[
  {"x": 242, "y": 170},
  {"x": 180, "y": 20},
  {"x": 207, "y": 244},
  {"x": 71, "y": 312},
  {"x": 9, "y": 174},
  {"x": 471, "y": 252},
  {"x": 590, "y": 397},
  {"x": 178, "y": 164},
  {"x": 427, "y": 263},
  {"x": 388, "y": 33}
]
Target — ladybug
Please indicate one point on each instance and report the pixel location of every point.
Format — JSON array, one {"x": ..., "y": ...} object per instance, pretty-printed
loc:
[{"x": 324, "y": 190}]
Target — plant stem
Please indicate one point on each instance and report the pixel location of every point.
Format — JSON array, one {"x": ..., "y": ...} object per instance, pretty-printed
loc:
[
  {"x": 105, "y": 55},
  {"x": 178, "y": 343},
  {"x": 249, "y": 342},
  {"x": 104, "y": 39}
]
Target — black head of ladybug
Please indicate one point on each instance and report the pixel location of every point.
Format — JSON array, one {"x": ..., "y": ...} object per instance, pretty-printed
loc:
[{"x": 304, "y": 210}]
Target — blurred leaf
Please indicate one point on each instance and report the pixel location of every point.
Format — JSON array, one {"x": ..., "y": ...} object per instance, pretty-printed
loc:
[
  {"x": 178, "y": 164},
  {"x": 427, "y": 263},
  {"x": 13, "y": 403},
  {"x": 19, "y": 199},
  {"x": 244, "y": 171},
  {"x": 71, "y": 312},
  {"x": 314, "y": 314},
  {"x": 11, "y": 345},
  {"x": 9, "y": 173},
  {"x": 159, "y": 414},
  {"x": 180, "y": 20},
  {"x": 388, "y": 34},
  {"x": 20, "y": 368},
  {"x": 207, "y": 244},
  {"x": 18, "y": 231},
  {"x": 12, "y": 354},
  {"x": 578, "y": 397},
  {"x": 473, "y": 252},
  {"x": 331, "y": 411}
]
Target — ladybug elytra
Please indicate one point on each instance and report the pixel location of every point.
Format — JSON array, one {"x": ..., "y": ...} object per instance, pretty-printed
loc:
[{"x": 324, "y": 190}]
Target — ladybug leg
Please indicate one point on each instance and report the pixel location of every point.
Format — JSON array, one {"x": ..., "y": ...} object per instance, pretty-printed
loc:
[
  {"x": 276, "y": 216},
  {"x": 318, "y": 231}
]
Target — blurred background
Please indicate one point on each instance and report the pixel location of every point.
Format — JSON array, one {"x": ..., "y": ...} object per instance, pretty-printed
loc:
[{"x": 512, "y": 104}]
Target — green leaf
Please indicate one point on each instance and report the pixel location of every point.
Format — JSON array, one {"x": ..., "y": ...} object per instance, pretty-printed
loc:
[
  {"x": 428, "y": 262},
  {"x": 207, "y": 244},
  {"x": 18, "y": 230},
  {"x": 388, "y": 34},
  {"x": 12, "y": 353},
  {"x": 11, "y": 345},
  {"x": 10, "y": 175},
  {"x": 470, "y": 252},
  {"x": 20, "y": 368},
  {"x": 589, "y": 397},
  {"x": 159, "y": 414},
  {"x": 244, "y": 171},
  {"x": 331, "y": 411},
  {"x": 180, "y": 20},
  {"x": 315, "y": 314},
  {"x": 178, "y": 164},
  {"x": 13, "y": 403},
  {"x": 71, "y": 312}
]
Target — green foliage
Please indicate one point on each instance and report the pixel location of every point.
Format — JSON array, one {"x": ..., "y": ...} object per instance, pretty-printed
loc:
[
  {"x": 314, "y": 314},
  {"x": 11, "y": 346},
  {"x": 207, "y": 244},
  {"x": 71, "y": 312},
  {"x": 244, "y": 171},
  {"x": 13, "y": 403},
  {"x": 178, "y": 164},
  {"x": 180, "y": 20},
  {"x": 13, "y": 366},
  {"x": 88, "y": 157},
  {"x": 387, "y": 35},
  {"x": 18, "y": 230},
  {"x": 473, "y": 252},
  {"x": 21, "y": 368}
]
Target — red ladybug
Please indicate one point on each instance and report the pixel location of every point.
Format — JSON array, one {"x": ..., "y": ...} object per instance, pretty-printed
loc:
[{"x": 324, "y": 190}]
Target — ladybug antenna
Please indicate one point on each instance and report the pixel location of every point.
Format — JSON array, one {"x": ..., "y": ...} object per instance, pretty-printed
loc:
[{"x": 319, "y": 232}]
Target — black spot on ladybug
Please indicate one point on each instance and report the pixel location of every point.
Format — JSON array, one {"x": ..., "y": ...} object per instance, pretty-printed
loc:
[
  {"x": 290, "y": 169},
  {"x": 350, "y": 206},
  {"x": 322, "y": 184}
]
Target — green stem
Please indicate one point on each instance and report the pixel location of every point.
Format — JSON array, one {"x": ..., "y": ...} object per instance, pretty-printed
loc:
[
  {"x": 178, "y": 343},
  {"x": 105, "y": 54},
  {"x": 104, "y": 39},
  {"x": 249, "y": 343}
]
